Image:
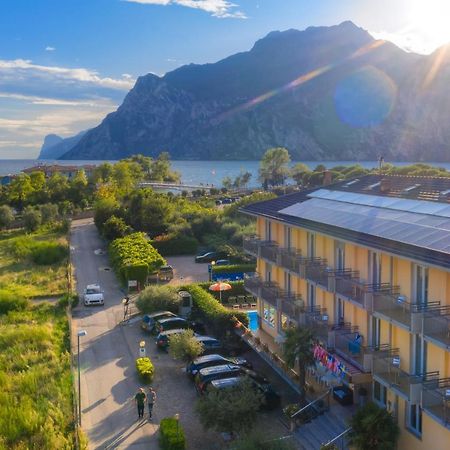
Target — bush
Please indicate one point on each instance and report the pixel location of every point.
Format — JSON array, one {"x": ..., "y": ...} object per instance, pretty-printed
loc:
[
  {"x": 210, "y": 311},
  {"x": 45, "y": 253},
  {"x": 32, "y": 219},
  {"x": 261, "y": 442},
  {"x": 11, "y": 302},
  {"x": 145, "y": 369},
  {"x": 6, "y": 217},
  {"x": 158, "y": 298},
  {"x": 237, "y": 288},
  {"x": 185, "y": 346},
  {"x": 171, "y": 435},
  {"x": 234, "y": 268},
  {"x": 49, "y": 212},
  {"x": 171, "y": 244},
  {"x": 114, "y": 228},
  {"x": 134, "y": 258}
]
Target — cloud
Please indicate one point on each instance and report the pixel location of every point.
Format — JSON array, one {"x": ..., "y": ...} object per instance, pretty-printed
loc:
[
  {"x": 48, "y": 101},
  {"x": 50, "y": 49},
  {"x": 222, "y": 9},
  {"x": 408, "y": 40}
]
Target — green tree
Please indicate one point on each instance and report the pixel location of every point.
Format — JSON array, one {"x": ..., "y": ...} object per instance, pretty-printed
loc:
[
  {"x": 115, "y": 227},
  {"x": 185, "y": 346},
  {"x": 260, "y": 441},
  {"x": 126, "y": 175},
  {"x": 6, "y": 216},
  {"x": 161, "y": 170},
  {"x": 32, "y": 218},
  {"x": 231, "y": 410},
  {"x": 158, "y": 298},
  {"x": 102, "y": 173},
  {"x": 299, "y": 172},
  {"x": 20, "y": 190},
  {"x": 145, "y": 162},
  {"x": 274, "y": 167},
  {"x": 58, "y": 187},
  {"x": 373, "y": 428},
  {"x": 49, "y": 212},
  {"x": 104, "y": 209},
  {"x": 298, "y": 349},
  {"x": 227, "y": 183},
  {"x": 78, "y": 187}
]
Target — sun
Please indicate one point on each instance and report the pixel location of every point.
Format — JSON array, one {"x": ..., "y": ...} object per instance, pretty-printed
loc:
[{"x": 431, "y": 19}]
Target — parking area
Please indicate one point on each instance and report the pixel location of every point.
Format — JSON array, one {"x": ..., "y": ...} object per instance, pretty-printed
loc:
[{"x": 185, "y": 270}]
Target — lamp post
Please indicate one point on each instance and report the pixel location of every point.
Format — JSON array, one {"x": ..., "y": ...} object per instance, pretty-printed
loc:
[
  {"x": 80, "y": 333},
  {"x": 177, "y": 418},
  {"x": 142, "y": 349},
  {"x": 213, "y": 263}
]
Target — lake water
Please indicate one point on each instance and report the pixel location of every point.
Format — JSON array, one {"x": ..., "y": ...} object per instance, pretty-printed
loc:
[{"x": 196, "y": 172}]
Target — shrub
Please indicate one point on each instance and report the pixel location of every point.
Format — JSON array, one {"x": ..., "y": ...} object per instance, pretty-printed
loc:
[
  {"x": 45, "y": 253},
  {"x": 207, "y": 308},
  {"x": 171, "y": 435},
  {"x": 234, "y": 268},
  {"x": 134, "y": 258},
  {"x": 171, "y": 244},
  {"x": 49, "y": 212},
  {"x": 237, "y": 288},
  {"x": 32, "y": 219},
  {"x": 114, "y": 228},
  {"x": 145, "y": 369},
  {"x": 261, "y": 442},
  {"x": 158, "y": 298},
  {"x": 185, "y": 346},
  {"x": 6, "y": 217},
  {"x": 11, "y": 302}
]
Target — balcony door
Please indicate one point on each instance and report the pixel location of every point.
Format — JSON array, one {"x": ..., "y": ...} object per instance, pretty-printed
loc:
[
  {"x": 374, "y": 267},
  {"x": 420, "y": 284},
  {"x": 376, "y": 332},
  {"x": 311, "y": 291},
  {"x": 311, "y": 245},
  {"x": 268, "y": 230},
  {"x": 287, "y": 283},
  {"x": 420, "y": 354},
  {"x": 287, "y": 237},
  {"x": 339, "y": 255},
  {"x": 340, "y": 310},
  {"x": 268, "y": 277}
]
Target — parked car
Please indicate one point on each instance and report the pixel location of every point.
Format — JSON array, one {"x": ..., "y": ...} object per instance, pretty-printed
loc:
[
  {"x": 271, "y": 398},
  {"x": 162, "y": 339},
  {"x": 210, "y": 344},
  {"x": 165, "y": 273},
  {"x": 210, "y": 256},
  {"x": 170, "y": 323},
  {"x": 206, "y": 375},
  {"x": 149, "y": 320},
  {"x": 223, "y": 262},
  {"x": 93, "y": 295},
  {"x": 214, "y": 359}
]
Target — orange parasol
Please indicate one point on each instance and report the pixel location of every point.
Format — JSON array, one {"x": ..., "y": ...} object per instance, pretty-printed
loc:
[{"x": 220, "y": 286}]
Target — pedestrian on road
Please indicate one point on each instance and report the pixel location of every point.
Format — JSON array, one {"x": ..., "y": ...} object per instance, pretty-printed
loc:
[
  {"x": 140, "y": 402},
  {"x": 151, "y": 398}
]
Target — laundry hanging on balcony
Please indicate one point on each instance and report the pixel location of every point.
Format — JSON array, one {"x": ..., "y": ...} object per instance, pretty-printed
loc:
[{"x": 329, "y": 361}]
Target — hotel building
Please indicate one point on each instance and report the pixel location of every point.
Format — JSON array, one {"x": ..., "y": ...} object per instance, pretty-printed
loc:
[{"x": 366, "y": 264}]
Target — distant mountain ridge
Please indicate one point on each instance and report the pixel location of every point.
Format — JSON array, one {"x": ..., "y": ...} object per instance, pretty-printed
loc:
[
  {"x": 55, "y": 146},
  {"x": 323, "y": 93}
]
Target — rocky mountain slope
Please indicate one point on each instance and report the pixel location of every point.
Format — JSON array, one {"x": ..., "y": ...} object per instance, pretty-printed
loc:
[
  {"x": 323, "y": 93},
  {"x": 55, "y": 146}
]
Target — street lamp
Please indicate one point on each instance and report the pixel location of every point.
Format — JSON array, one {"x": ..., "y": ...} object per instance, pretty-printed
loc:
[
  {"x": 177, "y": 418},
  {"x": 142, "y": 349},
  {"x": 213, "y": 263},
  {"x": 80, "y": 333}
]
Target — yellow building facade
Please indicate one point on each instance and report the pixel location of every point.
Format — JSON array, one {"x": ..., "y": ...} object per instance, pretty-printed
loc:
[{"x": 379, "y": 306}]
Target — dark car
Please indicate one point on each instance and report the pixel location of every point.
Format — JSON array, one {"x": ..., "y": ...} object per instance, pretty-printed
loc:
[
  {"x": 214, "y": 360},
  {"x": 170, "y": 323},
  {"x": 208, "y": 374},
  {"x": 149, "y": 320},
  {"x": 210, "y": 344},
  {"x": 162, "y": 340},
  {"x": 209, "y": 257},
  {"x": 271, "y": 398}
]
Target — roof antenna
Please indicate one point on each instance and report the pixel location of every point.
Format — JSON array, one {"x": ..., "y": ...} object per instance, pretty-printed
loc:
[{"x": 380, "y": 164}]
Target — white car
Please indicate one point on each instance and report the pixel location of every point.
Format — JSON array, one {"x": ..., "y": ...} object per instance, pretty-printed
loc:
[{"x": 93, "y": 295}]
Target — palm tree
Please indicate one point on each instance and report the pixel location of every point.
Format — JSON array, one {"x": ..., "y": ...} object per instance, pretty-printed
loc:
[
  {"x": 373, "y": 428},
  {"x": 298, "y": 346}
]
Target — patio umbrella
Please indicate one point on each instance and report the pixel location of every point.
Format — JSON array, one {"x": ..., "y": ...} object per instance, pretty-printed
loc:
[{"x": 220, "y": 286}]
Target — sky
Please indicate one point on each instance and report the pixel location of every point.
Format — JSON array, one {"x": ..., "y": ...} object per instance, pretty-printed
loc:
[{"x": 65, "y": 64}]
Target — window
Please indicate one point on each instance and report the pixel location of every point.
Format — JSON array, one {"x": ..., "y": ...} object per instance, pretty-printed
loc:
[
  {"x": 287, "y": 237},
  {"x": 380, "y": 393},
  {"x": 311, "y": 243},
  {"x": 287, "y": 282},
  {"x": 268, "y": 273},
  {"x": 284, "y": 325},
  {"x": 269, "y": 314},
  {"x": 421, "y": 284},
  {"x": 420, "y": 354},
  {"x": 311, "y": 291},
  {"x": 339, "y": 255},
  {"x": 268, "y": 230},
  {"x": 374, "y": 267},
  {"x": 375, "y": 331},
  {"x": 414, "y": 418}
]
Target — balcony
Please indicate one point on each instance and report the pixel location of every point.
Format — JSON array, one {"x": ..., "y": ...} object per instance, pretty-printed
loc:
[
  {"x": 317, "y": 320},
  {"x": 292, "y": 260},
  {"x": 436, "y": 399},
  {"x": 387, "y": 371},
  {"x": 436, "y": 326},
  {"x": 251, "y": 245},
  {"x": 293, "y": 306},
  {"x": 253, "y": 285},
  {"x": 317, "y": 271},
  {"x": 269, "y": 250}
]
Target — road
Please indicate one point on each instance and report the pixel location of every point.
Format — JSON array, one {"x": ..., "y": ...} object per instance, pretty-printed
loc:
[{"x": 107, "y": 354}]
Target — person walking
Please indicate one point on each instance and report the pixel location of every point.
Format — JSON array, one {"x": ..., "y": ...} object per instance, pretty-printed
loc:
[
  {"x": 151, "y": 399},
  {"x": 140, "y": 402}
]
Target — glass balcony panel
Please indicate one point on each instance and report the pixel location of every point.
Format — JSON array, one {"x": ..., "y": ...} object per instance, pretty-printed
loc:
[
  {"x": 253, "y": 285},
  {"x": 269, "y": 250},
  {"x": 436, "y": 326},
  {"x": 436, "y": 399},
  {"x": 350, "y": 346},
  {"x": 251, "y": 245},
  {"x": 318, "y": 273},
  {"x": 389, "y": 304}
]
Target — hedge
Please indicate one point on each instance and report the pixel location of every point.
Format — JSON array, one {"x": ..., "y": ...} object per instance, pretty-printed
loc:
[
  {"x": 237, "y": 288},
  {"x": 213, "y": 313},
  {"x": 145, "y": 369},
  {"x": 171, "y": 434},
  {"x": 234, "y": 268},
  {"x": 168, "y": 244},
  {"x": 133, "y": 257}
]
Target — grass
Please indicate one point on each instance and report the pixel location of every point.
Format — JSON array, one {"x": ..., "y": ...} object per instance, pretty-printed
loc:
[
  {"x": 20, "y": 275},
  {"x": 35, "y": 380}
]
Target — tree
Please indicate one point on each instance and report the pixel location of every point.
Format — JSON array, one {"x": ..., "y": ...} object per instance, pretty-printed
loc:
[
  {"x": 126, "y": 175},
  {"x": 231, "y": 410},
  {"x": 6, "y": 216},
  {"x": 58, "y": 187},
  {"x": 227, "y": 183},
  {"x": 104, "y": 209},
  {"x": 185, "y": 346},
  {"x": 78, "y": 187},
  {"x": 260, "y": 441},
  {"x": 20, "y": 190},
  {"x": 274, "y": 167},
  {"x": 115, "y": 227},
  {"x": 102, "y": 173},
  {"x": 299, "y": 172},
  {"x": 373, "y": 428},
  {"x": 298, "y": 349},
  {"x": 32, "y": 218},
  {"x": 49, "y": 212},
  {"x": 158, "y": 298}
]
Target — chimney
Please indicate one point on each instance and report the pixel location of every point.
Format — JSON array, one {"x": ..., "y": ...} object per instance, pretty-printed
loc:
[
  {"x": 327, "y": 177},
  {"x": 385, "y": 185}
]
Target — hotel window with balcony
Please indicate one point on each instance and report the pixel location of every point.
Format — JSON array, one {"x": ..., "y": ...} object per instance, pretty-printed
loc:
[
  {"x": 420, "y": 287},
  {"x": 374, "y": 267},
  {"x": 287, "y": 283},
  {"x": 339, "y": 255},
  {"x": 311, "y": 245},
  {"x": 419, "y": 354},
  {"x": 311, "y": 295},
  {"x": 376, "y": 332},
  {"x": 414, "y": 418},
  {"x": 380, "y": 394},
  {"x": 287, "y": 237},
  {"x": 268, "y": 273},
  {"x": 268, "y": 230}
]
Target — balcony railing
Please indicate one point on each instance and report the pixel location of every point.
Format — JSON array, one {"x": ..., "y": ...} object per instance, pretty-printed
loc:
[
  {"x": 292, "y": 260},
  {"x": 436, "y": 325},
  {"x": 269, "y": 250},
  {"x": 317, "y": 320},
  {"x": 253, "y": 285},
  {"x": 436, "y": 399},
  {"x": 318, "y": 272},
  {"x": 270, "y": 293},
  {"x": 251, "y": 245},
  {"x": 386, "y": 369}
]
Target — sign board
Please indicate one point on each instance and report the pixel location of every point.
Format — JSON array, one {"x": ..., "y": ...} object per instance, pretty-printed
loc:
[
  {"x": 396, "y": 361},
  {"x": 447, "y": 393},
  {"x": 142, "y": 352},
  {"x": 132, "y": 283}
]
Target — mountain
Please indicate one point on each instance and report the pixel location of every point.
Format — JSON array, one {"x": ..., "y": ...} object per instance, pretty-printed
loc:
[
  {"x": 323, "y": 93},
  {"x": 55, "y": 146}
]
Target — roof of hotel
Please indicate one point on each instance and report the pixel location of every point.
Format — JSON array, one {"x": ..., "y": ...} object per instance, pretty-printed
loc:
[{"x": 408, "y": 216}]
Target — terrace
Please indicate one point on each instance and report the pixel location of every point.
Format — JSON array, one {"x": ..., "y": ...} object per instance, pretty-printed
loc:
[
  {"x": 436, "y": 399},
  {"x": 436, "y": 326}
]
